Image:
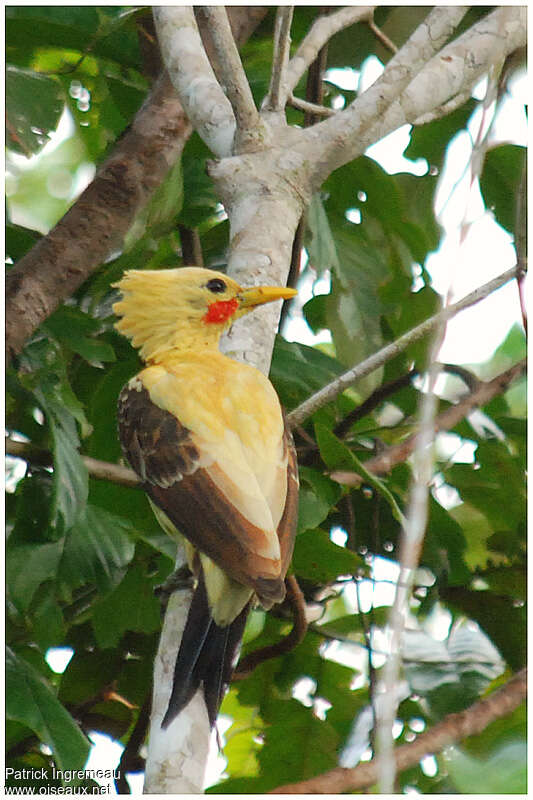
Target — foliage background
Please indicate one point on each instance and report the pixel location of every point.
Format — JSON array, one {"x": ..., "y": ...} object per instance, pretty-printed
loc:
[{"x": 83, "y": 555}]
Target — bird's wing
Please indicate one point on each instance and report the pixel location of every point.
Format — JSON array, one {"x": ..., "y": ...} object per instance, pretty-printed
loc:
[{"x": 201, "y": 490}]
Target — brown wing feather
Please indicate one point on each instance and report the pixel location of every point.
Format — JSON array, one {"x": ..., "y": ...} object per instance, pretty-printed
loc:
[{"x": 163, "y": 454}]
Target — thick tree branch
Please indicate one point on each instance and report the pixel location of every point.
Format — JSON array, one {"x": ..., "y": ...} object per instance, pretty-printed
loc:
[
  {"x": 96, "y": 224},
  {"x": 227, "y": 65},
  {"x": 408, "y": 90},
  {"x": 336, "y": 387},
  {"x": 453, "y": 728},
  {"x": 279, "y": 90},
  {"x": 399, "y": 453},
  {"x": 193, "y": 77},
  {"x": 320, "y": 33}
]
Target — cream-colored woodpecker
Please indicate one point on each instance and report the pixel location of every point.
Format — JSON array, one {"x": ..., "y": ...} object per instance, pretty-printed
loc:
[{"x": 206, "y": 436}]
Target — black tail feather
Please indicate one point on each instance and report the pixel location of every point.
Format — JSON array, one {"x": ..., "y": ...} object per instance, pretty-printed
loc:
[{"x": 206, "y": 656}]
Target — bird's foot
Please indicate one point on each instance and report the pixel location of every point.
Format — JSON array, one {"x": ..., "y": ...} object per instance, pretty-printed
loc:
[{"x": 182, "y": 578}]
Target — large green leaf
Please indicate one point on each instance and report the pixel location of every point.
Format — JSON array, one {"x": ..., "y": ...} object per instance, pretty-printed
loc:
[
  {"x": 27, "y": 567},
  {"x": 32, "y": 702},
  {"x": 297, "y": 746},
  {"x": 132, "y": 606},
  {"x": 96, "y": 550},
  {"x": 316, "y": 558},
  {"x": 79, "y": 331},
  {"x": 318, "y": 495},
  {"x": 502, "y": 618},
  {"x": 106, "y": 28}
]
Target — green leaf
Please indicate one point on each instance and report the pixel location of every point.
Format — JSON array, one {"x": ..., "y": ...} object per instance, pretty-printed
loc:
[
  {"x": 70, "y": 477},
  {"x": 48, "y": 620},
  {"x": 450, "y": 674},
  {"x": 297, "y": 370},
  {"x": 31, "y": 701},
  {"x": 431, "y": 141},
  {"x": 27, "y": 567},
  {"x": 297, "y": 746},
  {"x": 77, "y": 331},
  {"x": 316, "y": 558},
  {"x": 321, "y": 245},
  {"x": 73, "y": 28},
  {"x": 500, "y": 180},
  {"x": 33, "y": 106},
  {"x": 132, "y": 606},
  {"x": 159, "y": 216},
  {"x": 97, "y": 549},
  {"x": 504, "y": 772},
  {"x": 87, "y": 673},
  {"x": 503, "y": 620},
  {"x": 318, "y": 495},
  {"x": 336, "y": 454},
  {"x": 18, "y": 241}
]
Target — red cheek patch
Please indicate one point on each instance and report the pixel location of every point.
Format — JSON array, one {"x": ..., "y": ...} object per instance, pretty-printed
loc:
[{"x": 221, "y": 311}]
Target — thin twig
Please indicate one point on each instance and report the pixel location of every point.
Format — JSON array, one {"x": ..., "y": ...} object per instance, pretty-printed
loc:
[
  {"x": 191, "y": 246},
  {"x": 279, "y": 89},
  {"x": 452, "y": 728},
  {"x": 129, "y": 760},
  {"x": 102, "y": 470},
  {"x": 373, "y": 401},
  {"x": 336, "y": 387},
  {"x": 398, "y": 453},
  {"x": 311, "y": 108},
  {"x": 382, "y": 36},
  {"x": 520, "y": 241}
]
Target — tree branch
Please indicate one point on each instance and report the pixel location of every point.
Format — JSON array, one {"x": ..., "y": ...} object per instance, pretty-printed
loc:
[
  {"x": 95, "y": 226},
  {"x": 279, "y": 90},
  {"x": 399, "y": 453},
  {"x": 320, "y": 33},
  {"x": 206, "y": 105},
  {"x": 311, "y": 108},
  {"x": 102, "y": 470},
  {"x": 452, "y": 728},
  {"x": 227, "y": 65},
  {"x": 336, "y": 387},
  {"x": 408, "y": 90},
  {"x": 446, "y": 108}
]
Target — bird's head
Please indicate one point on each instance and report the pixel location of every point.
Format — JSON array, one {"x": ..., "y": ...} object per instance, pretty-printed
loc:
[{"x": 173, "y": 309}]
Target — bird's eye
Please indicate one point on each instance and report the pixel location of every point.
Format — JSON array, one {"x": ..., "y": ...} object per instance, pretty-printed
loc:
[{"x": 216, "y": 285}]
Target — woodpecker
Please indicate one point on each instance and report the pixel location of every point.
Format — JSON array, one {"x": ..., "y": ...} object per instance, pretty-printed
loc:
[{"x": 207, "y": 438}]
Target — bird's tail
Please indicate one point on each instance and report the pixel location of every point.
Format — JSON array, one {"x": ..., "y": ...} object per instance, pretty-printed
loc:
[{"x": 206, "y": 656}]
